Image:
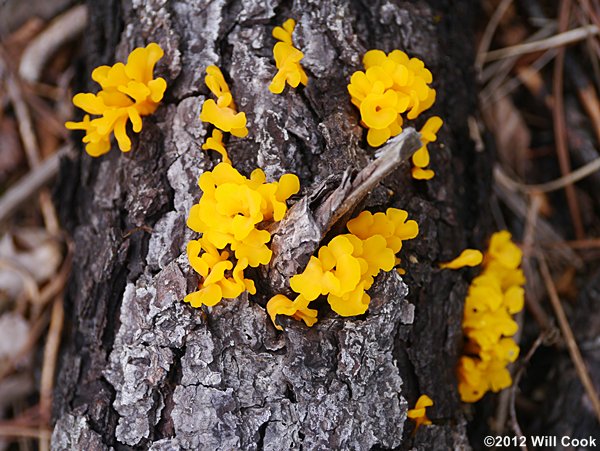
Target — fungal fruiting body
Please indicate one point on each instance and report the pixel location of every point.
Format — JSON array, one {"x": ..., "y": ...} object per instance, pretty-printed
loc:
[
  {"x": 345, "y": 268},
  {"x": 420, "y": 158},
  {"x": 419, "y": 413},
  {"x": 129, "y": 91},
  {"x": 394, "y": 88},
  {"x": 468, "y": 257},
  {"x": 494, "y": 296},
  {"x": 287, "y": 59},
  {"x": 390, "y": 86},
  {"x": 223, "y": 113},
  {"x": 232, "y": 215},
  {"x": 215, "y": 142}
]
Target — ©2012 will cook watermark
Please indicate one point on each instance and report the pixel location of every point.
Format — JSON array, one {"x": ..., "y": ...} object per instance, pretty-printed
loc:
[{"x": 545, "y": 441}]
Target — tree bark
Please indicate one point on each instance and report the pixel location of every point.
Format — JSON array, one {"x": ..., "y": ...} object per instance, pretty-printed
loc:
[{"x": 142, "y": 370}]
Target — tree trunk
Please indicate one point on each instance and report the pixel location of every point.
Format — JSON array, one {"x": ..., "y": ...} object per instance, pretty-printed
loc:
[{"x": 142, "y": 370}]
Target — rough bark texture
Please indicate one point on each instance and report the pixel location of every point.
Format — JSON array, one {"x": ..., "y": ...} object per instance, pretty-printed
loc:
[{"x": 142, "y": 370}]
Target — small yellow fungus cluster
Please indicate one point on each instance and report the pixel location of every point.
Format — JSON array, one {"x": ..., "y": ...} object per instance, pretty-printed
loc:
[
  {"x": 468, "y": 257},
  {"x": 390, "y": 86},
  {"x": 419, "y": 413},
  {"x": 494, "y": 296},
  {"x": 287, "y": 59},
  {"x": 129, "y": 91},
  {"x": 420, "y": 158},
  {"x": 222, "y": 113},
  {"x": 297, "y": 309},
  {"x": 228, "y": 215},
  {"x": 215, "y": 142},
  {"x": 346, "y": 267}
]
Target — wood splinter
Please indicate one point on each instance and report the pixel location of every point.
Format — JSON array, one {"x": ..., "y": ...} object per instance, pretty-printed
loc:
[{"x": 299, "y": 234}]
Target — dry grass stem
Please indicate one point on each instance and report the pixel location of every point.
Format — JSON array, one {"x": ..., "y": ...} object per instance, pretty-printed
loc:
[
  {"x": 63, "y": 29},
  {"x": 560, "y": 125},
  {"x": 30, "y": 184},
  {"x": 25, "y": 432},
  {"x": 561, "y": 39},
  {"x": 554, "y": 185},
  {"x": 488, "y": 34},
  {"x": 50, "y": 357},
  {"x": 567, "y": 334}
]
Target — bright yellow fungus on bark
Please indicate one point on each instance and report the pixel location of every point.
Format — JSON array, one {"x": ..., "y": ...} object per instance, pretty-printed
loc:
[
  {"x": 212, "y": 265},
  {"x": 392, "y": 225},
  {"x": 222, "y": 113},
  {"x": 468, "y": 257},
  {"x": 391, "y": 86},
  {"x": 297, "y": 309},
  {"x": 232, "y": 215},
  {"x": 215, "y": 142},
  {"x": 419, "y": 413},
  {"x": 287, "y": 59},
  {"x": 494, "y": 296},
  {"x": 345, "y": 268},
  {"x": 420, "y": 158},
  {"x": 129, "y": 91}
]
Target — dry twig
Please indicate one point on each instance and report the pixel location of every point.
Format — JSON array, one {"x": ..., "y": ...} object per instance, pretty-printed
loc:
[
  {"x": 517, "y": 378},
  {"x": 567, "y": 334},
  {"x": 554, "y": 185},
  {"x": 560, "y": 126},
  {"x": 561, "y": 39},
  {"x": 30, "y": 183},
  {"x": 30, "y": 144},
  {"x": 7, "y": 430},
  {"x": 488, "y": 34},
  {"x": 546, "y": 233},
  {"x": 49, "y": 365},
  {"x": 63, "y": 29}
]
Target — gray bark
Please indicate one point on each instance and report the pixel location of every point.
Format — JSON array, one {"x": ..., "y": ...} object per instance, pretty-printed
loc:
[{"x": 141, "y": 369}]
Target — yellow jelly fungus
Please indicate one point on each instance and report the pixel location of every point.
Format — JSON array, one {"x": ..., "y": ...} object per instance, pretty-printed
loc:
[
  {"x": 231, "y": 216},
  {"x": 504, "y": 251},
  {"x": 419, "y": 413},
  {"x": 287, "y": 59},
  {"x": 297, "y": 309},
  {"x": 420, "y": 158},
  {"x": 222, "y": 113},
  {"x": 392, "y": 225},
  {"x": 215, "y": 142},
  {"x": 488, "y": 326},
  {"x": 129, "y": 91},
  {"x": 212, "y": 265},
  {"x": 468, "y": 257},
  {"x": 391, "y": 86},
  {"x": 345, "y": 268},
  {"x": 422, "y": 174}
]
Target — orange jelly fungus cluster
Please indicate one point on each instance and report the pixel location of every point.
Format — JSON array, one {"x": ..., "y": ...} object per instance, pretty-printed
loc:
[
  {"x": 232, "y": 215},
  {"x": 346, "y": 267},
  {"x": 419, "y": 413},
  {"x": 129, "y": 91},
  {"x": 494, "y": 296},
  {"x": 222, "y": 113},
  {"x": 287, "y": 59}
]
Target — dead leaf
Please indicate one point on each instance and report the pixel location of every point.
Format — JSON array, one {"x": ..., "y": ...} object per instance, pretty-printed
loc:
[
  {"x": 29, "y": 257},
  {"x": 14, "y": 332},
  {"x": 510, "y": 131},
  {"x": 12, "y": 154}
]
